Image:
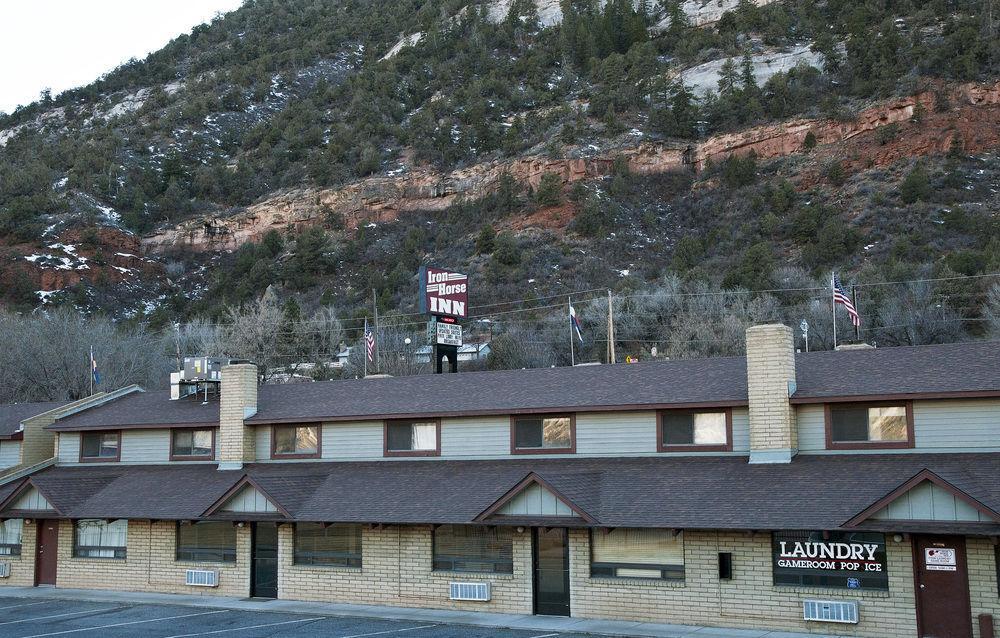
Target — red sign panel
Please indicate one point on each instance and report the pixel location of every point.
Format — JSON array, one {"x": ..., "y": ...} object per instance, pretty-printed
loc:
[{"x": 444, "y": 293}]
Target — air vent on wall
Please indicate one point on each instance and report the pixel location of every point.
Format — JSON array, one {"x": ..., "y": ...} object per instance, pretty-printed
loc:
[
  {"x": 479, "y": 592},
  {"x": 201, "y": 578},
  {"x": 830, "y": 611}
]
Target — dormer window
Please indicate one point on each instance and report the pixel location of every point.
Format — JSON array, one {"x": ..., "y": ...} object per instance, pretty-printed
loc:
[
  {"x": 192, "y": 444},
  {"x": 295, "y": 441},
  {"x": 695, "y": 430},
  {"x": 99, "y": 447},
  {"x": 543, "y": 434},
  {"x": 853, "y": 426}
]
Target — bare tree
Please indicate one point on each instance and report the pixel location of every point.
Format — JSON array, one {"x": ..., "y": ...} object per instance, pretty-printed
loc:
[
  {"x": 917, "y": 316},
  {"x": 992, "y": 312}
]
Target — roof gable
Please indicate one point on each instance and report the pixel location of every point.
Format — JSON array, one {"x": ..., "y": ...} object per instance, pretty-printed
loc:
[
  {"x": 246, "y": 497},
  {"x": 533, "y": 497},
  {"x": 27, "y": 498},
  {"x": 927, "y": 497}
]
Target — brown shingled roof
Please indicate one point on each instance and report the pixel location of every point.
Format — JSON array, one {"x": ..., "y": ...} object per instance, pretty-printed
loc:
[
  {"x": 949, "y": 370},
  {"x": 811, "y": 492},
  {"x": 12, "y": 414}
]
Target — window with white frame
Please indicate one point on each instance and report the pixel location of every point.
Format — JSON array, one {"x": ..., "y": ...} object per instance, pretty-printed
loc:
[
  {"x": 99, "y": 538},
  {"x": 10, "y": 537},
  {"x": 637, "y": 553}
]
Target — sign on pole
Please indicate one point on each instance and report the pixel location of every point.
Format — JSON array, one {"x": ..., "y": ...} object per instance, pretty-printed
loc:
[{"x": 444, "y": 293}]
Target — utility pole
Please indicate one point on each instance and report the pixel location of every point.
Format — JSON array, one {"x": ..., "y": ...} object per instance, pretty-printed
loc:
[
  {"x": 611, "y": 330},
  {"x": 177, "y": 344}
]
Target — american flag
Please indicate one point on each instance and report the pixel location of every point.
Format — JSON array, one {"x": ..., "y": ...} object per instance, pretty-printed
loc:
[
  {"x": 370, "y": 343},
  {"x": 839, "y": 296}
]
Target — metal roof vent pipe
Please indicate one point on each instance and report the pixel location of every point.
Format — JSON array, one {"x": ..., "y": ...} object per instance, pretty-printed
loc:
[
  {"x": 770, "y": 384},
  {"x": 238, "y": 402}
]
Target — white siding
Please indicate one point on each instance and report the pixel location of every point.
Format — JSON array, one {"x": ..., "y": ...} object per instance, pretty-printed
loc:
[
  {"x": 957, "y": 425},
  {"x": 811, "y": 423},
  {"x": 943, "y": 425},
  {"x": 248, "y": 499},
  {"x": 741, "y": 430},
  {"x": 535, "y": 500},
  {"x": 615, "y": 433},
  {"x": 10, "y": 453},
  {"x": 69, "y": 447},
  {"x": 928, "y": 502},
  {"x": 479, "y": 437},
  {"x": 145, "y": 446},
  {"x": 31, "y": 500},
  {"x": 263, "y": 442},
  {"x": 352, "y": 440}
]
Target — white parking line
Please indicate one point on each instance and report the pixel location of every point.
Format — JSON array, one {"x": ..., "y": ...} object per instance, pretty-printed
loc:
[
  {"x": 25, "y": 605},
  {"x": 545, "y": 636},
  {"x": 222, "y": 631},
  {"x": 72, "y": 613},
  {"x": 389, "y": 631},
  {"x": 125, "y": 624}
]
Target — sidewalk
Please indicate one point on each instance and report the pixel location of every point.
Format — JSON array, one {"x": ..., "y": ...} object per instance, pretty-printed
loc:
[{"x": 479, "y": 619}]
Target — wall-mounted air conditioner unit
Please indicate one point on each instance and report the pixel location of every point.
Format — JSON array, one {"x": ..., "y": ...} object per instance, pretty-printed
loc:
[
  {"x": 5, "y": 569},
  {"x": 479, "y": 592},
  {"x": 201, "y": 578},
  {"x": 839, "y": 611}
]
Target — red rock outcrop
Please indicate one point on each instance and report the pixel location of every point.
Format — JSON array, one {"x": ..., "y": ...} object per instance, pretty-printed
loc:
[{"x": 972, "y": 113}]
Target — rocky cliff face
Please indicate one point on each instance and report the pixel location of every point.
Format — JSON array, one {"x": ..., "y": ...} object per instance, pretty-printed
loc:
[{"x": 964, "y": 114}]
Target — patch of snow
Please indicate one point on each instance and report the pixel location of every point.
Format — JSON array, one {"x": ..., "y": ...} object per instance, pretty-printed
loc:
[
  {"x": 623, "y": 273},
  {"x": 405, "y": 41},
  {"x": 372, "y": 225},
  {"x": 705, "y": 77},
  {"x": 43, "y": 295}
]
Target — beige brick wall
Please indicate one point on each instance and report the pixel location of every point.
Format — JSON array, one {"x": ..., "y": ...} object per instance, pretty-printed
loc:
[
  {"x": 749, "y": 600},
  {"x": 239, "y": 392},
  {"x": 150, "y": 565},
  {"x": 770, "y": 366},
  {"x": 983, "y": 581},
  {"x": 396, "y": 570}
]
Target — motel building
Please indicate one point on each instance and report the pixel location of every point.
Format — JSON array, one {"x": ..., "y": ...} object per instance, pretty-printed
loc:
[{"x": 852, "y": 493}]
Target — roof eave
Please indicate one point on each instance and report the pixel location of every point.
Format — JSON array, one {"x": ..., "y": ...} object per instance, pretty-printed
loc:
[{"x": 900, "y": 396}]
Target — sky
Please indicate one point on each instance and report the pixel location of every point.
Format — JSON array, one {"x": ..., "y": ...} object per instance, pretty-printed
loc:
[{"x": 62, "y": 44}]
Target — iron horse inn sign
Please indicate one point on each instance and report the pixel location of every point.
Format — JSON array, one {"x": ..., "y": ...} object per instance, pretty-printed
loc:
[
  {"x": 444, "y": 293},
  {"x": 851, "y": 560}
]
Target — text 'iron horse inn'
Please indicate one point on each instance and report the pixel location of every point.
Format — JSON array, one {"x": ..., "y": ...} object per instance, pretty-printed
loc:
[{"x": 854, "y": 492}]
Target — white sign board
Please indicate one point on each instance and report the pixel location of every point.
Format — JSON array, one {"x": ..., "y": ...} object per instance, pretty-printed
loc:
[
  {"x": 940, "y": 559},
  {"x": 449, "y": 334}
]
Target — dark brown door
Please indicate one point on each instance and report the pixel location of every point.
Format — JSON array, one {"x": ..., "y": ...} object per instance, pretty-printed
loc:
[
  {"x": 46, "y": 553},
  {"x": 551, "y": 554},
  {"x": 943, "y": 609}
]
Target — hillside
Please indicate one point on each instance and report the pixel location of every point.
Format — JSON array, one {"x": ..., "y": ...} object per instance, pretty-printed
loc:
[{"x": 328, "y": 149}]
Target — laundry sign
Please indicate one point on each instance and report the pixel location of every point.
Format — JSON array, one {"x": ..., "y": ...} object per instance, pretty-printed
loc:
[
  {"x": 852, "y": 560},
  {"x": 940, "y": 559}
]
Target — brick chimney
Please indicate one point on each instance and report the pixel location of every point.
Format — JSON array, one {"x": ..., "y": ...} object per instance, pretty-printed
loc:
[
  {"x": 238, "y": 401},
  {"x": 770, "y": 382}
]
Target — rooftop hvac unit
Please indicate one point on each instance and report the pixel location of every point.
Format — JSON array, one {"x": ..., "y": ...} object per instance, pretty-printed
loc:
[
  {"x": 201, "y": 578},
  {"x": 478, "y": 592},
  {"x": 837, "y": 611},
  {"x": 5, "y": 569}
]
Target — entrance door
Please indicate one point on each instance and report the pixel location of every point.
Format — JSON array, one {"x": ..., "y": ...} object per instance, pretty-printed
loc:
[
  {"x": 551, "y": 557},
  {"x": 943, "y": 609},
  {"x": 264, "y": 562},
  {"x": 46, "y": 552}
]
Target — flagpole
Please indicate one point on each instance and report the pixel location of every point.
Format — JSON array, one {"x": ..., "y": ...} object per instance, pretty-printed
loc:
[
  {"x": 572, "y": 348},
  {"x": 364, "y": 347},
  {"x": 91, "y": 370},
  {"x": 833, "y": 306},
  {"x": 854, "y": 300},
  {"x": 378, "y": 342},
  {"x": 611, "y": 330}
]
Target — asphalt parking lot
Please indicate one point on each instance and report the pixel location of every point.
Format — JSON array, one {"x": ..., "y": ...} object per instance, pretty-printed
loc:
[{"x": 35, "y": 618}]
